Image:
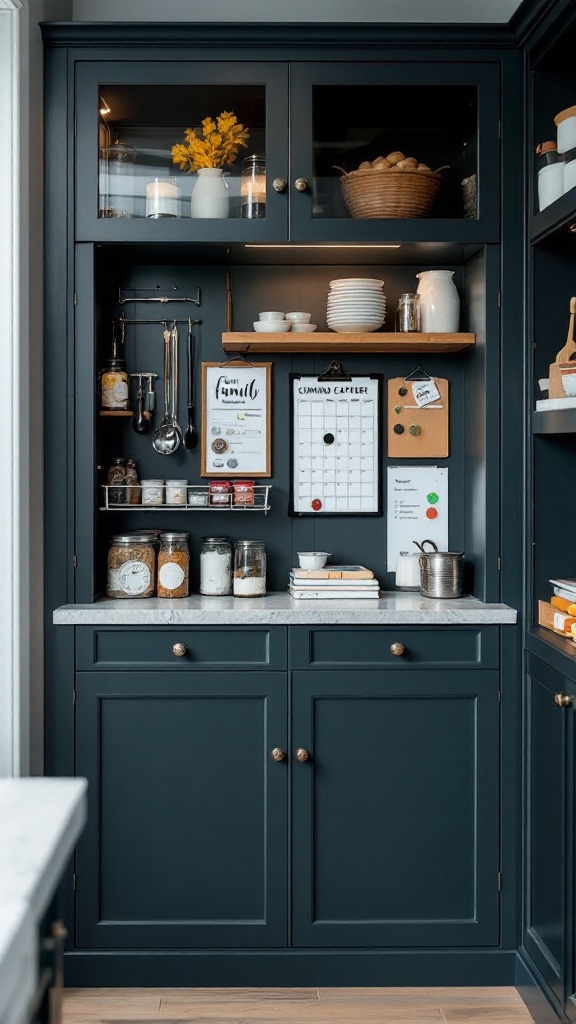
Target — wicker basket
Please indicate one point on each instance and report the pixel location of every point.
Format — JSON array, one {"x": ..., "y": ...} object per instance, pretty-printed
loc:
[{"x": 373, "y": 193}]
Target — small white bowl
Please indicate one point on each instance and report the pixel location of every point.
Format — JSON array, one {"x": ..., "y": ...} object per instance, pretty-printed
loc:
[
  {"x": 303, "y": 328},
  {"x": 299, "y": 318},
  {"x": 271, "y": 326},
  {"x": 271, "y": 315},
  {"x": 313, "y": 559}
]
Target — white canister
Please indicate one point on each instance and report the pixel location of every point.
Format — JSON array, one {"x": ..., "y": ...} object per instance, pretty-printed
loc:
[
  {"x": 550, "y": 184},
  {"x": 152, "y": 492},
  {"x": 176, "y": 492},
  {"x": 408, "y": 571},
  {"x": 162, "y": 198},
  {"x": 565, "y": 123},
  {"x": 569, "y": 175},
  {"x": 439, "y": 302}
]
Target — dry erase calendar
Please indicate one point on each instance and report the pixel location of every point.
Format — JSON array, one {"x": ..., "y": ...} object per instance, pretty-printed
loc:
[{"x": 335, "y": 453}]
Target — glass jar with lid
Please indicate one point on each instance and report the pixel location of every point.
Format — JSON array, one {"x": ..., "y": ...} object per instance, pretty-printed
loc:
[
  {"x": 131, "y": 566},
  {"x": 216, "y": 566},
  {"x": 173, "y": 565},
  {"x": 250, "y": 568},
  {"x": 253, "y": 186},
  {"x": 116, "y": 482}
]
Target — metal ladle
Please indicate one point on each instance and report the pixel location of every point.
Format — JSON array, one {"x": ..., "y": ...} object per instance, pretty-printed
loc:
[{"x": 168, "y": 436}]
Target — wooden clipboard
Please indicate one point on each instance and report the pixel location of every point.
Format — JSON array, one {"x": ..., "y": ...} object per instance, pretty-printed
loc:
[{"x": 425, "y": 430}]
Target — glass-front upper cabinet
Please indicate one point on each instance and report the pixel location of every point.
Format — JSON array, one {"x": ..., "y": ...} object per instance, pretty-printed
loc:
[
  {"x": 394, "y": 151},
  {"x": 181, "y": 151}
]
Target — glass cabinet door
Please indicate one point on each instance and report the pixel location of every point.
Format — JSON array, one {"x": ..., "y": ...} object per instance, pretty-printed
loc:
[
  {"x": 365, "y": 138},
  {"x": 181, "y": 150}
]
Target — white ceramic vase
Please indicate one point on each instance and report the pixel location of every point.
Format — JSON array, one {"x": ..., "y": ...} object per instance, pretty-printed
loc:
[
  {"x": 210, "y": 194},
  {"x": 439, "y": 302}
]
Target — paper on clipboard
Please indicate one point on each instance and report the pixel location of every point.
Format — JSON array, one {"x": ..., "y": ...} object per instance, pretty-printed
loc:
[{"x": 417, "y": 509}]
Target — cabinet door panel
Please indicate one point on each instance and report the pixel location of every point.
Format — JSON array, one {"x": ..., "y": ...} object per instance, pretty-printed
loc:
[
  {"x": 395, "y": 833},
  {"x": 186, "y": 838},
  {"x": 549, "y": 917}
]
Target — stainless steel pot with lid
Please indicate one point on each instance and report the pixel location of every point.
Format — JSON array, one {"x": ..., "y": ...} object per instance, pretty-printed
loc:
[{"x": 440, "y": 572}]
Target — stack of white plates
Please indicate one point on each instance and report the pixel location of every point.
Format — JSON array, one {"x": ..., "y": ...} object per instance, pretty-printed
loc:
[{"x": 356, "y": 304}]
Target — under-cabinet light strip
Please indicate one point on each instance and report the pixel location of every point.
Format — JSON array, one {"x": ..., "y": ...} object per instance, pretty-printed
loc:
[{"x": 264, "y": 245}]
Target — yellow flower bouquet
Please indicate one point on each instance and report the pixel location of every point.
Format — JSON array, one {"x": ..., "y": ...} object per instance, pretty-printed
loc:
[{"x": 215, "y": 144}]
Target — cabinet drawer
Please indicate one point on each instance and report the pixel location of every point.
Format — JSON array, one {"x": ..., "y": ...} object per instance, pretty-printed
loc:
[
  {"x": 206, "y": 647},
  {"x": 423, "y": 647}
]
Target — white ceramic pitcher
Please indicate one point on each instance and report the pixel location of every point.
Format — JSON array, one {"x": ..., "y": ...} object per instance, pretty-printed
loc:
[{"x": 439, "y": 301}]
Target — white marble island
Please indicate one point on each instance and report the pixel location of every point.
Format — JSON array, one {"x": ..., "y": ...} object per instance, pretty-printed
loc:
[
  {"x": 392, "y": 608},
  {"x": 40, "y": 821}
]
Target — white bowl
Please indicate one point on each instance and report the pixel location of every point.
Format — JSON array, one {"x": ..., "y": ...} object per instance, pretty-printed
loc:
[
  {"x": 303, "y": 328},
  {"x": 313, "y": 559},
  {"x": 271, "y": 326},
  {"x": 299, "y": 318},
  {"x": 271, "y": 315}
]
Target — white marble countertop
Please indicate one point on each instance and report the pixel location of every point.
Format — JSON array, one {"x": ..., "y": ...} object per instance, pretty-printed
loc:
[
  {"x": 40, "y": 821},
  {"x": 393, "y": 607}
]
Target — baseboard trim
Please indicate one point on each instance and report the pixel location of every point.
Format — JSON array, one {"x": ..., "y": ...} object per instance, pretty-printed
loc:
[
  {"x": 205, "y": 968},
  {"x": 534, "y": 991}
]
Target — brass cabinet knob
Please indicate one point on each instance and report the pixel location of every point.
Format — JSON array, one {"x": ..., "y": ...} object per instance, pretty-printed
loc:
[
  {"x": 397, "y": 649},
  {"x": 279, "y": 184},
  {"x": 302, "y": 755},
  {"x": 58, "y": 930},
  {"x": 278, "y": 754},
  {"x": 301, "y": 184},
  {"x": 563, "y": 700},
  {"x": 179, "y": 650}
]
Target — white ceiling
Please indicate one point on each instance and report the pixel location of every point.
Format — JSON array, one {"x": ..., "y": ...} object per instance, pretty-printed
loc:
[{"x": 406, "y": 11}]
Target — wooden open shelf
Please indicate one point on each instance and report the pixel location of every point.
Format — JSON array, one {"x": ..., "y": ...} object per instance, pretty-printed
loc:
[
  {"x": 116, "y": 412},
  {"x": 332, "y": 343}
]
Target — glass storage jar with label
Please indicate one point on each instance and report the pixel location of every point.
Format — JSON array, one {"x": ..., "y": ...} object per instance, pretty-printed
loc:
[
  {"x": 116, "y": 482},
  {"x": 173, "y": 565},
  {"x": 131, "y": 566},
  {"x": 249, "y": 568},
  {"x": 216, "y": 566}
]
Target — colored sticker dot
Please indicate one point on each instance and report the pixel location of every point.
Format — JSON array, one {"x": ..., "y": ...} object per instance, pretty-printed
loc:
[
  {"x": 432, "y": 497},
  {"x": 431, "y": 513},
  {"x": 316, "y": 504}
]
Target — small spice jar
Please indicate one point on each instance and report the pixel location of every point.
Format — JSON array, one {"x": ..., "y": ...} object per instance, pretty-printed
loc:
[
  {"x": 196, "y": 497},
  {"x": 220, "y": 492},
  {"x": 152, "y": 492},
  {"x": 176, "y": 492},
  {"x": 216, "y": 566},
  {"x": 173, "y": 565},
  {"x": 249, "y": 568},
  {"x": 116, "y": 482},
  {"x": 131, "y": 566},
  {"x": 243, "y": 492},
  {"x": 132, "y": 485}
]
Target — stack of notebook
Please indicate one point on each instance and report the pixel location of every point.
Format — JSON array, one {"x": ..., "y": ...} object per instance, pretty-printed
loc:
[
  {"x": 346, "y": 582},
  {"x": 559, "y": 613}
]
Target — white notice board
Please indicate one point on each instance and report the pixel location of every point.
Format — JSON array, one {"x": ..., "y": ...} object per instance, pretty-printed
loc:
[
  {"x": 417, "y": 509},
  {"x": 335, "y": 453}
]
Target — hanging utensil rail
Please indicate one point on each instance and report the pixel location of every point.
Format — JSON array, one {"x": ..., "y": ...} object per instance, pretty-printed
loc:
[
  {"x": 122, "y": 320},
  {"x": 161, "y": 298}
]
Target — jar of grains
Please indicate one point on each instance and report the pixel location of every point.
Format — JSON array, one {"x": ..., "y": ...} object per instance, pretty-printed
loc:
[
  {"x": 216, "y": 566},
  {"x": 173, "y": 565},
  {"x": 131, "y": 566},
  {"x": 249, "y": 569}
]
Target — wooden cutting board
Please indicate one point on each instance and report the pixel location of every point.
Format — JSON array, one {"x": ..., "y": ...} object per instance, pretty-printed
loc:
[{"x": 429, "y": 437}]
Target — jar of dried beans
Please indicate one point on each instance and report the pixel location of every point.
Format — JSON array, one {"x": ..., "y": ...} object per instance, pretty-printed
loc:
[
  {"x": 131, "y": 566},
  {"x": 173, "y": 565}
]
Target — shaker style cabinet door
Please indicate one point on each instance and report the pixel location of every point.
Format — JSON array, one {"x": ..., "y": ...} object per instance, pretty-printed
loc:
[
  {"x": 395, "y": 811},
  {"x": 441, "y": 114},
  {"x": 130, "y": 114},
  {"x": 550, "y": 808},
  {"x": 186, "y": 838}
]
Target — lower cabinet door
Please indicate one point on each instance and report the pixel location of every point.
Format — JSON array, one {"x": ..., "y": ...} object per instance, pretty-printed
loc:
[
  {"x": 396, "y": 810},
  {"x": 549, "y": 913},
  {"x": 186, "y": 839}
]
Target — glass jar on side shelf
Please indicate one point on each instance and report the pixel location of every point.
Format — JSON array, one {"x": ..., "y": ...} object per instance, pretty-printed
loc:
[
  {"x": 116, "y": 481},
  {"x": 249, "y": 569},
  {"x": 131, "y": 566},
  {"x": 216, "y": 566},
  {"x": 173, "y": 565}
]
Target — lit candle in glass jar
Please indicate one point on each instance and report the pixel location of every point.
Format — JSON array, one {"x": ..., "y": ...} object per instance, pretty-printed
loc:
[
  {"x": 162, "y": 198},
  {"x": 253, "y": 186}
]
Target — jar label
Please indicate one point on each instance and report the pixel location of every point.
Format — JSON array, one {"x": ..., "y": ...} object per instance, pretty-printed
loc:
[
  {"x": 171, "y": 575},
  {"x": 133, "y": 577},
  {"x": 114, "y": 392}
]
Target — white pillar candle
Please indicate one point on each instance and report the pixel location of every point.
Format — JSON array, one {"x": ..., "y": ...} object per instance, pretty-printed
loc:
[{"x": 162, "y": 198}]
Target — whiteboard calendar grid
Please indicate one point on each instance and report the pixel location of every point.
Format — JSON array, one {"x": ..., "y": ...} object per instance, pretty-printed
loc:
[{"x": 336, "y": 446}]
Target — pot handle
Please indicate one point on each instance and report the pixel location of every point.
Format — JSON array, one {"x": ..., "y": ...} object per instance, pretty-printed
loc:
[{"x": 421, "y": 546}]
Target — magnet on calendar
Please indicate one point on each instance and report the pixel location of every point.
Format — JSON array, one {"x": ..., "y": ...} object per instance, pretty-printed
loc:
[
  {"x": 328, "y": 438},
  {"x": 316, "y": 504}
]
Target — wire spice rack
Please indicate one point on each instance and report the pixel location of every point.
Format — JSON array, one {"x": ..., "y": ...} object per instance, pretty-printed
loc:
[{"x": 198, "y": 500}]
